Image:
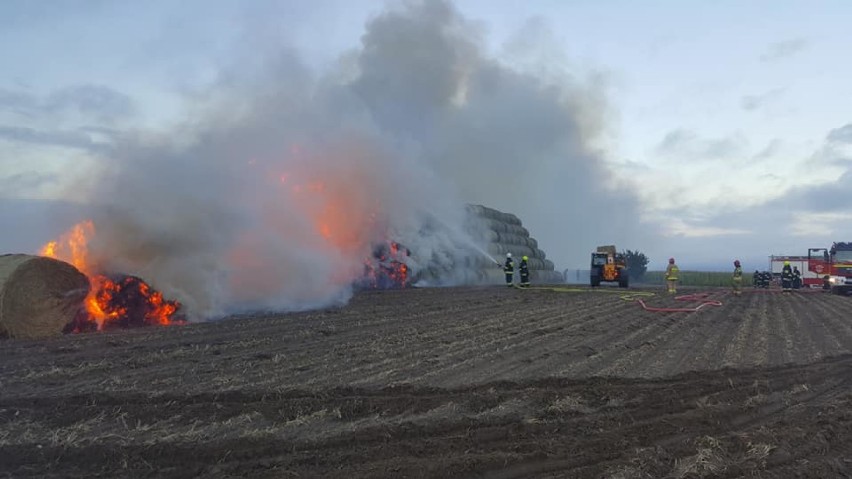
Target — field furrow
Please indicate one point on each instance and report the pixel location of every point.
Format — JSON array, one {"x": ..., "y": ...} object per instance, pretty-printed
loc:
[{"x": 447, "y": 382}]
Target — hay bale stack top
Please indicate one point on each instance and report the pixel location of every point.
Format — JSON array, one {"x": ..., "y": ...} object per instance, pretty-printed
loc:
[
  {"x": 504, "y": 233},
  {"x": 38, "y": 296}
]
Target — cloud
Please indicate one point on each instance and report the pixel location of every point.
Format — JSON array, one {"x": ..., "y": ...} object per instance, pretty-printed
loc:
[
  {"x": 94, "y": 102},
  {"x": 784, "y": 49},
  {"x": 808, "y": 223},
  {"x": 23, "y": 183},
  {"x": 17, "y": 101},
  {"x": 26, "y": 223},
  {"x": 785, "y": 223},
  {"x": 83, "y": 116},
  {"x": 755, "y": 102},
  {"x": 772, "y": 149},
  {"x": 26, "y": 14},
  {"x": 831, "y": 196},
  {"x": 694, "y": 229},
  {"x": 98, "y": 101},
  {"x": 761, "y": 216},
  {"x": 841, "y": 135},
  {"x": 682, "y": 144},
  {"x": 69, "y": 139}
]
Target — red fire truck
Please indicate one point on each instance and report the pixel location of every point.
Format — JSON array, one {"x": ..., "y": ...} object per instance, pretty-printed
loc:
[{"x": 834, "y": 265}]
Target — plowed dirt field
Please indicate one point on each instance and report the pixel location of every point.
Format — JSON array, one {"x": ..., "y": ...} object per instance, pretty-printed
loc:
[{"x": 456, "y": 382}]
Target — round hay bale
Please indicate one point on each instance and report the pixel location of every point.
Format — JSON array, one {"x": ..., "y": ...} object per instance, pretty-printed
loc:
[
  {"x": 503, "y": 238},
  {"x": 498, "y": 226},
  {"x": 475, "y": 210},
  {"x": 508, "y": 238},
  {"x": 38, "y": 296},
  {"x": 518, "y": 251},
  {"x": 516, "y": 230},
  {"x": 536, "y": 263},
  {"x": 490, "y": 214},
  {"x": 511, "y": 219}
]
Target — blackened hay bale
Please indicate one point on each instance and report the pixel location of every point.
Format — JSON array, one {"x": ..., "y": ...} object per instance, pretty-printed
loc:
[{"x": 38, "y": 296}]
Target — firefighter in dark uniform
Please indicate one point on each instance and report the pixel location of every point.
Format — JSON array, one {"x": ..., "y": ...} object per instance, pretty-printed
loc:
[
  {"x": 787, "y": 278},
  {"x": 766, "y": 281},
  {"x": 524, "y": 269},
  {"x": 797, "y": 278},
  {"x": 509, "y": 269},
  {"x": 756, "y": 279}
]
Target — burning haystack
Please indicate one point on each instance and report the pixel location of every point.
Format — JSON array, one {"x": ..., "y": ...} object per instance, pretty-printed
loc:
[
  {"x": 110, "y": 300},
  {"x": 38, "y": 296}
]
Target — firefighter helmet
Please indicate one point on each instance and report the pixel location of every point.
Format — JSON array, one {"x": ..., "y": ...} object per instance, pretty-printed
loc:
[
  {"x": 508, "y": 255},
  {"x": 737, "y": 263},
  {"x": 786, "y": 263},
  {"x": 671, "y": 260},
  {"x": 524, "y": 258}
]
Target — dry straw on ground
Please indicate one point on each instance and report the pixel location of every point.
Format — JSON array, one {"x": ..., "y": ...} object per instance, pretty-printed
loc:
[{"x": 38, "y": 296}]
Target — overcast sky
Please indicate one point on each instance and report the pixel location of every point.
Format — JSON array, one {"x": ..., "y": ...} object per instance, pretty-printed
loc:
[{"x": 729, "y": 122}]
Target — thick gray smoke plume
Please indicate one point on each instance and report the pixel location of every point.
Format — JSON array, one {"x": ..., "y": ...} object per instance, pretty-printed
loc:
[
  {"x": 277, "y": 188},
  {"x": 515, "y": 141}
]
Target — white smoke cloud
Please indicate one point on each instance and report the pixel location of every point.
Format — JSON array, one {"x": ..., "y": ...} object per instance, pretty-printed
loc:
[{"x": 281, "y": 181}]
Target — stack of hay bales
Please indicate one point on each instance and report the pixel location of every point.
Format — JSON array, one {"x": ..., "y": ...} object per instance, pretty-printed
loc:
[
  {"x": 505, "y": 233},
  {"x": 38, "y": 296}
]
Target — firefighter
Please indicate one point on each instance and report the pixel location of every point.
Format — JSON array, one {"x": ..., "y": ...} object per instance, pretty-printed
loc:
[
  {"x": 509, "y": 269},
  {"x": 756, "y": 279},
  {"x": 524, "y": 269},
  {"x": 671, "y": 276},
  {"x": 737, "y": 279},
  {"x": 797, "y": 278},
  {"x": 787, "y": 278}
]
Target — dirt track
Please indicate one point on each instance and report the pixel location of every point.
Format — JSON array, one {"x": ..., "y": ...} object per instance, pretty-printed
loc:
[{"x": 468, "y": 382}]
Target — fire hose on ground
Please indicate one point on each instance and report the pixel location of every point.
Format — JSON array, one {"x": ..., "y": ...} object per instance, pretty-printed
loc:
[
  {"x": 687, "y": 297},
  {"x": 638, "y": 295}
]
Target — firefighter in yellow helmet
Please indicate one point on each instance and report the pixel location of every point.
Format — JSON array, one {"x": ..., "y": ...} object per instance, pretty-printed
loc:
[
  {"x": 524, "y": 269},
  {"x": 787, "y": 278},
  {"x": 737, "y": 279},
  {"x": 671, "y": 276}
]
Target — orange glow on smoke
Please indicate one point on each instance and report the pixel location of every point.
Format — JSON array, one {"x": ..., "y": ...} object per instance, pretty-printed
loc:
[
  {"x": 343, "y": 207},
  {"x": 339, "y": 208}
]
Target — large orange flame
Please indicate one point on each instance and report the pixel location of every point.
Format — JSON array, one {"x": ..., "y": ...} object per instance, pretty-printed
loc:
[
  {"x": 340, "y": 211},
  {"x": 103, "y": 305},
  {"x": 346, "y": 215}
]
